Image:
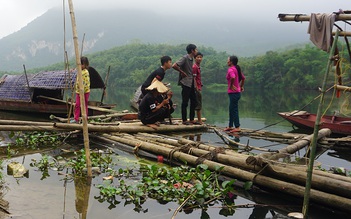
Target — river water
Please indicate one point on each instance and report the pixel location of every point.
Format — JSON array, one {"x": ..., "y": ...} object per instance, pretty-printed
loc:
[{"x": 54, "y": 197}]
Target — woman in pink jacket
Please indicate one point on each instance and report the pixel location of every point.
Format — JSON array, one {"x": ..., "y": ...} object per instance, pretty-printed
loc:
[{"x": 236, "y": 81}]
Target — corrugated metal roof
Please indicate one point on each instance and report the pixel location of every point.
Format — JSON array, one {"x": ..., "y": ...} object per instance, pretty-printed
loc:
[
  {"x": 53, "y": 80},
  {"x": 15, "y": 87}
]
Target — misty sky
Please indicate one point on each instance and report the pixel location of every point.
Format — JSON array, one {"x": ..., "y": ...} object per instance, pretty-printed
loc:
[{"x": 15, "y": 14}]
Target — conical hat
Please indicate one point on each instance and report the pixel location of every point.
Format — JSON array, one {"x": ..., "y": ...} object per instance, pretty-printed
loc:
[{"x": 161, "y": 88}]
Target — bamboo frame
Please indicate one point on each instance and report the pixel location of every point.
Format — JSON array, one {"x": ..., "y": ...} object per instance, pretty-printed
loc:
[
  {"x": 304, "y": 17},
  {"x": 343, "y": 88}
]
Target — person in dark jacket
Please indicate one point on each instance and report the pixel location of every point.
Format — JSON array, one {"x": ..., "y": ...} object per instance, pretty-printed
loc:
[
  {"x": 156, "y": 105},
  {"x": 159, "y": 74}
]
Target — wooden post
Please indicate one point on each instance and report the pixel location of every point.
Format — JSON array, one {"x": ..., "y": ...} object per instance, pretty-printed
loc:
[
  {"x": 81, "y": 91},
  {"x": 106, "y": 78},
  {"x": 25, "y": 74},
  {"x": 315, "y": 132},
  {"x": 81, "y": 50}
]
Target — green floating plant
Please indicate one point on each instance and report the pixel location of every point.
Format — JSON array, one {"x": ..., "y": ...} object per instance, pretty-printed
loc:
[
  {"x": 197, "y": 187},
  {"x": 36, "y": 139}
]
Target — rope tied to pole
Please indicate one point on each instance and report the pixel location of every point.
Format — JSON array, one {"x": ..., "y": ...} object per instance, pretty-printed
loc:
[
  {"x": 296, "y": 17},
  {"x": 184, "y": 149},
  {"x": 259, "y": 172},
  {"x": 137, "y": 147},
  {"x": 211, "y": 155}
]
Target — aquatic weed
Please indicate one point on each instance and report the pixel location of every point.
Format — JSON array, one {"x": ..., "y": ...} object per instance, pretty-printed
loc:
[
  {"x": 198, "y": 187},
  {"x": 36, "y": 139}
]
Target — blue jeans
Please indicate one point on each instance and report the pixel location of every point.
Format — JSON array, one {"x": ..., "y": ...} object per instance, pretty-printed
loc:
[{"x": 234, "y": 109}]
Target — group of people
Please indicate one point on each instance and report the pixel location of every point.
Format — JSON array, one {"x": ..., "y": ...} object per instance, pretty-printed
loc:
[{"x": 156, "y": 104}]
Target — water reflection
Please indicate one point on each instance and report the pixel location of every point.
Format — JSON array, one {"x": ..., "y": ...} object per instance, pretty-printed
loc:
[
  {"x": 195, "y": 137},
  {"x": 82, "y": 187},
  {"x": 235, "y": 137},
  {"x": 254, "y": 103},
  {"x": 259, "y": 213}
]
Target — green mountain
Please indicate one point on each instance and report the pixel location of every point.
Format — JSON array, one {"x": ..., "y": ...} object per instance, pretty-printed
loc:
[{"x": 41, "y": 42}]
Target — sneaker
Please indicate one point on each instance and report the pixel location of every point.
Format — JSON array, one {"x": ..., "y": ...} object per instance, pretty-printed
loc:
[{"x": 72, "y": 121}]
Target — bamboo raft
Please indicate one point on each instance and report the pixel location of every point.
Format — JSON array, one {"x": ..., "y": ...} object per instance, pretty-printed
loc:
[
  {"x": 265, "y": 170},
  {"x": 328, "y": 189}
]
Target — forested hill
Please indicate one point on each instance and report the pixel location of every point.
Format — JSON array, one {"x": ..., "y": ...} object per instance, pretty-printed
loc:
[
  {"x": 41, "y": 42},
  {"x": 300, "y": 68}
]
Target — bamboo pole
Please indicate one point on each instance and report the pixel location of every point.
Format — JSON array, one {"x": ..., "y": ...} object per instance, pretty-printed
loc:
[
  {"x": 131, "y": 128},
  {"x": 104, "y": 116},
  {"x": 235, "y": 144},
  {"x": 315, "y": 132},
  {"x": 343, "y": 88},
  {"x": 304, "y": 17},
  {"x": 100, "y": 128},
  {"x": 263, "y": 181},
  {"x": 81, "y": 91},
  {"x": 298, "y": 145},
  {"x": 25, "y": 74},
  {"x": 331, "y": 176},
  {"x": 96, "y": 108},
  {"x": 342, "y": 33},
  {"x": 19, "y": 122},
  {"x": 182, "y": 141},
  {"x": 29, "y": 128},
  {"x": 104, "y": 89},
  {"x": 260, "y": 159}
]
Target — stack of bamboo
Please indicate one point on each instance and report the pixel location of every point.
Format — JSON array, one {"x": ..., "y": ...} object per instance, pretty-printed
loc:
[{"x": 327, "y": 189}]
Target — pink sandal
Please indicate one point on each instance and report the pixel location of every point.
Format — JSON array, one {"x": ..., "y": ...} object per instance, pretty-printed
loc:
[
  {"x": 235, "y": 130},
  {"x": 227, "y": 129}
]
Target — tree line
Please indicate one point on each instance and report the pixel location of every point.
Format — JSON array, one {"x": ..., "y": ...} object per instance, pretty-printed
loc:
[{"x": 298, "y": 68}]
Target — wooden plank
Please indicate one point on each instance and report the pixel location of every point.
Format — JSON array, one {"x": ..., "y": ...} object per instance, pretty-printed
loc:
[{"x": 89, "y": 107}]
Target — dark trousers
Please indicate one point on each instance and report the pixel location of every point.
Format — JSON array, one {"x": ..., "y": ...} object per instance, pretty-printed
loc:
[
  {"x": 234, "y": 109},
  {"x": 188, "y": 93},
  {"x": 157, "y": 116}
]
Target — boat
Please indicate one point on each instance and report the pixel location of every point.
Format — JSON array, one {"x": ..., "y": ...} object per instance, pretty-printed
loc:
[
  {"x": 303, "y": 119},
  {"x": 138, "y": 95},
  {"x": 44, "y": 92},
  {"x": 134, "y": 102}
]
